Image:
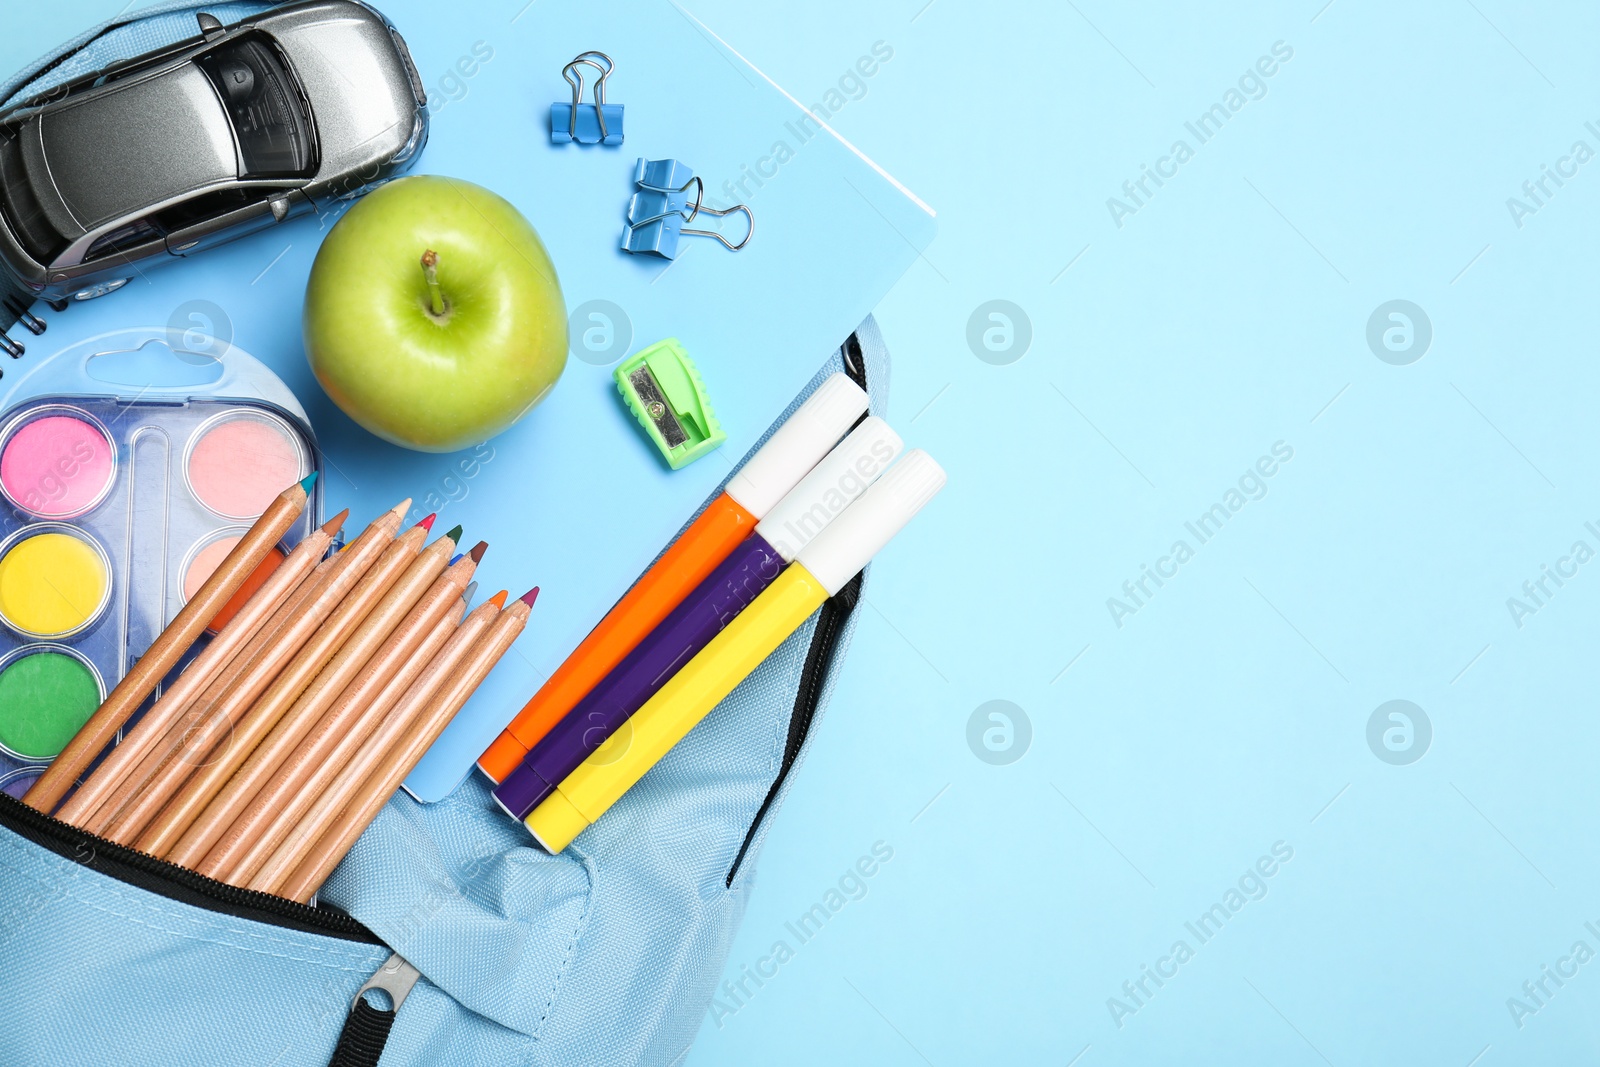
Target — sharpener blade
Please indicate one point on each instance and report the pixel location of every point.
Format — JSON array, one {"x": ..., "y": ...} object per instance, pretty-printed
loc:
[{"x": 655, "y": 406}]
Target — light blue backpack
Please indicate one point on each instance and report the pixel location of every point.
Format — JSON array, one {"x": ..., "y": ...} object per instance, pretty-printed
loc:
[
  {"x": 476, "y": 946},
  {"x": 482, "y": 948}
]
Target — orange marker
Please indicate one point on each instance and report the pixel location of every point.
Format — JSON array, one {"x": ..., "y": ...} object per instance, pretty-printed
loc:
[{"x": 789, "y": 454}]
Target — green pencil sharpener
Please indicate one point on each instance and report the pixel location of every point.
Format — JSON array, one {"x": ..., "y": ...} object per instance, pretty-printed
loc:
[{"x": 663, "y": 389}]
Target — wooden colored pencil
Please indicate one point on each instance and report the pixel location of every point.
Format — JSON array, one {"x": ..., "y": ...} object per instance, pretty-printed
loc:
[
  {"x": 394, "y": 555},
  {"x": 285, "y": 796},
  {"x": 284, "y": 738},
  {"x": 279, "y": 589},
  {"x": 299, "y": 782},
  {"x": 86, "y": 808},
  {"x": 208, "y": 802},
  {"x": 343, "y": 775},
  {"x": 147, "y": 672},
  {"x": 346, "y": 776},
  {"x": 149, "y": 751},
  {"x": 208, "y": 735},
  {"x": 396, "y": 749}
]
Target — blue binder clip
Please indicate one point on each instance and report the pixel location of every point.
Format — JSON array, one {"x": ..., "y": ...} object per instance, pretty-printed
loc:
[
  {"x": 658, "y": 211},
  {"x": 599, "y": 123}
]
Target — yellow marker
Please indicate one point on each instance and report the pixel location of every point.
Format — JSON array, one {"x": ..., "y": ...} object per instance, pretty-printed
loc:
[
  {"x": 821, "y": 570},
  {"x": 52, "y": 584}
]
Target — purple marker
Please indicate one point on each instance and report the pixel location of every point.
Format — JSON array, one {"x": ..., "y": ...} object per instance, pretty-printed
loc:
[{"x": 842, "y": 476}]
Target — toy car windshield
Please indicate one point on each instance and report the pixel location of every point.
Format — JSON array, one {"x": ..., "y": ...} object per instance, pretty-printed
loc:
[{"x": 270, "y": 122}]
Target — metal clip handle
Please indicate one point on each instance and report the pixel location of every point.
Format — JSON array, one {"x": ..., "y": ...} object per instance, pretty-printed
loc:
[
  {"x": 713, "y": 233},
  {"x": 574, "y": 78},
  {"x": 699, "y": 194}
]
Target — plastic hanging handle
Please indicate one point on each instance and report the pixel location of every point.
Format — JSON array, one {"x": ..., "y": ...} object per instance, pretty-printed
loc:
[
  {"x": 238, "y": 376},
  {"x": 155, "y": 364}
]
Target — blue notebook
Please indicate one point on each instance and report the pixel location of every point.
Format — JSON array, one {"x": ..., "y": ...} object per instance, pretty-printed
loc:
[{"x": 574, "y": 499}]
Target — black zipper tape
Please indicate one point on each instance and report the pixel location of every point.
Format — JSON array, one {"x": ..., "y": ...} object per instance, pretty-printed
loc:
[
  {"x": 173, "y": 882},
  {"x": 855, "y": 363},
  {"x": 819, "y": 657}
]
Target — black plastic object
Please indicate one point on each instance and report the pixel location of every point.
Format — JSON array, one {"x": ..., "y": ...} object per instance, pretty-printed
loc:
[{"x": 819, "y": 657}]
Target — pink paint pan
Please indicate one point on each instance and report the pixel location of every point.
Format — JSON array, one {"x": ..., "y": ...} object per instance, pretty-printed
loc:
[
  {"x": 240, "y": 460},
  {"x": 56, "y": 462}
]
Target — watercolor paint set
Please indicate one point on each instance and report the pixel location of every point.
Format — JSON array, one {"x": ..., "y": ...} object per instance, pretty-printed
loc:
[{"x": 129, "y": 468}]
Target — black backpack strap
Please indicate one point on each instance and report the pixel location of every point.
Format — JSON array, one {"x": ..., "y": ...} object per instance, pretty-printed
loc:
[
  {"x": 366, "y": 1030},
  {"x": 365, "y": 1033}
]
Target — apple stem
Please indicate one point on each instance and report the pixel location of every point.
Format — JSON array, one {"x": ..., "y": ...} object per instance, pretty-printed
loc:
[{"x": 430, "y": 271}]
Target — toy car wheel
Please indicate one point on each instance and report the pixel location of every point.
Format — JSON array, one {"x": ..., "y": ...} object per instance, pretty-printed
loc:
[{"x": 100, "y": 289}]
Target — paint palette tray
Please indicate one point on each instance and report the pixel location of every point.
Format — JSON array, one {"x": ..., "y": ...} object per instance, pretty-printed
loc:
[{"x": 129, "y": 467}]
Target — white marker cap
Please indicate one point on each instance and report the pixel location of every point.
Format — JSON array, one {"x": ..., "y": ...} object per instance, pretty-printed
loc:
[
  {"x": 844, "y": 474},
  {"x": 798, "y": 445},
  {"x": 851, "y": 540}
]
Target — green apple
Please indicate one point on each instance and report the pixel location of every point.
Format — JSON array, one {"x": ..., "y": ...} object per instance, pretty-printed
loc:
[{"x": 433, "y": 316}]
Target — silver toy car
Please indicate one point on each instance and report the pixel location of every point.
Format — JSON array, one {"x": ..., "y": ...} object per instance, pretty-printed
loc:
[{"x": 169, "y": 153}]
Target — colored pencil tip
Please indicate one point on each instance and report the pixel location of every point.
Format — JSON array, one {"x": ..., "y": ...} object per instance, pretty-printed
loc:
[
  {"x": 499, "y": 599},
  {"x": 455, "y": 534},
  {"x": 472, "y": 589},
  {"x": 427, "y": 523},
  {"x": 530, "y": 596},
  {"x": 308, "y": 481},
  {"x": 400, "y": 509},
  {"x": 335, "y": 524},
  {"x": 478, "y": 550},
  {"x": 455, "y": 559}
]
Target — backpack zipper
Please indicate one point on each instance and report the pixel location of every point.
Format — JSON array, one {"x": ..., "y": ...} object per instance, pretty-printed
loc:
[
  {"x": 830, "y": 624},
  {"x": 171, "y": 881},
  {"x": 819, "y": 657}
]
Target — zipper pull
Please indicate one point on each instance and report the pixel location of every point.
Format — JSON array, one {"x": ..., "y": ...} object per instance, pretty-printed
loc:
[
  {"x": 395, "y": 977},
  {"x": 366, "y": 1031}
]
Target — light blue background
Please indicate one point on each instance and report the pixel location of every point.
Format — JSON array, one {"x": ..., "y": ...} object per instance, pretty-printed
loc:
[{"x": 1231, "y": 711}]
